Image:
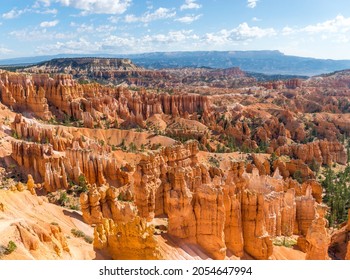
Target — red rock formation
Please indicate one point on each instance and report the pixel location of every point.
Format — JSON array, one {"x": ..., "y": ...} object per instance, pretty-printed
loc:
[
  {"x": 42, "y": 162},
  {"x": 210, "y": 224},
  {"x": 317, "y": 237},
  {"x": 91, "y": 103},
  {"x": 347, "y": 257},
  {"x": 20, "y": 93},
  {"x": 54, "y": 168},
  {"x": 289, "y": 84},
  {"x": 132, "y": 240},
  {"x": 323, "y": 152},
  {"x": 293, "y": 168},
  {"x": 107, "y": 202},
  {"x": 35, "y": 132},
  {"x": 32, "y": 235},
  {"x": 305, "y": 213},
  {"x": 256, "y": 240}
]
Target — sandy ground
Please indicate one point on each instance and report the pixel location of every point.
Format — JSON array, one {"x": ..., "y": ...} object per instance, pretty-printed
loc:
[{"x": 28, "y": 211}]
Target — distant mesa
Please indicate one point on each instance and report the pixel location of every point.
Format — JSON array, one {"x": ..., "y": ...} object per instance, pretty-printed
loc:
[
  {"x": 119, "y": 71},
  {"x": 88, "y": 64},
  {"x": 264, "y": 61}
]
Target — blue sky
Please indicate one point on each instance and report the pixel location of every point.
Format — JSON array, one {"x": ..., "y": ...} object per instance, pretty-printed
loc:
[{"x": 313, "y": 28}]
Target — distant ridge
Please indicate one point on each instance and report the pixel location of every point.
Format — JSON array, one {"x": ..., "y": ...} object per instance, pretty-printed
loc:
[
  {"x": 266, "y": 62},
  {"x": 88, "y": 64}
]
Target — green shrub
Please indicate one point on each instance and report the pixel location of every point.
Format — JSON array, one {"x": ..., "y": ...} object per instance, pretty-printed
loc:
[
  {"x": 63, "y": 199},
  {"x": 214, "y": 162},
  {"x": 298, "y": 176},
  {"x": 77, "y": 232},
  {"x": 285, "y": 241},
  {"x": 10, "y": 247},
  {"x": 74, "y": 207},
  {"x": 88, "y": 239},
  {"x": 83, "y": 185}
]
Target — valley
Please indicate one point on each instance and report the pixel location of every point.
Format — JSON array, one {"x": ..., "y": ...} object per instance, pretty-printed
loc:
[{"x": 104, "y": 159}]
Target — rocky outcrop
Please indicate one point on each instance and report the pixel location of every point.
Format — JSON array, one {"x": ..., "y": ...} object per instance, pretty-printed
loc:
[
  {"x": 316, "y": 190},
  {"x": 119, "y": 70},
  {"x": 34, "y": 132},
  {"x": 233, "y": 220},
  {"x": 289, "y": 84},
  {"x": 54, "y": 168},
  {"x": 347, "y": 256},
  {"x": 218, "y": 210},
  {"x": 317, "y": 237},
  {"x": 31, "y": 186},
  {"x": 107, "y": 202},
  {"x": 323, "y": 152},
  {"x": 132, "y": 240},
  {"x": 339, "y": 242},
  {"x": 173, "y": 183},
  {"x": 19, "y": 92},
  {"x": 257, "y": 242},
  {"x": 33, "y": 235},
  {"x": 305, "y": 213},
  {"x": 43, "y": 162},
  {"x": 294, "y": 168},
  {"x": 209, "y": 213},
  {"x": 93, "y": 104}
]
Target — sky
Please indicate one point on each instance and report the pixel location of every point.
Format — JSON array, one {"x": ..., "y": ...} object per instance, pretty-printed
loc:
[{"x": 309, "y": 28}]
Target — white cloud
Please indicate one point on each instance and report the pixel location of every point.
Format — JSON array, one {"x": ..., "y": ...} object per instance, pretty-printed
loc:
[
  {"x": 114, "y": 19},
  {"x": 40, "y": 34},
  {"x": 288, "y": 31},
  {"x": 256, "y": 19},
  {"x": 100, "y": 30},
  {"x": 114, "y": 42},
  {"x": 132, "y": 18},
  {"x": 188, "y": 19},
  {"x": 190, "y": 4},
  {"x": 48, "y": 11},
  {"x": 242, "y": 32},
  {"x": 335, "y": 28},
  {"x": 97, "y": 6},
  {"x": 80, "y": 45},
  {"x": 339, "y": 24},
  {"x": 5, "y": 50},
  {"x": 45, "y": 3},
  {"x": 160, "y": 13},
  {"x": 171, "y": 37},
  {"x": 46, "y": 24},
  {"x": 252, "y": 3},
  {"x": 14, "y": 13},
  {"x": 123, "y": 43}
]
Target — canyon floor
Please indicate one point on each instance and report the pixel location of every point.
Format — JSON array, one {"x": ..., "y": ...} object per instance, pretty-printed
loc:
[{"x": 108, "y": 160}]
